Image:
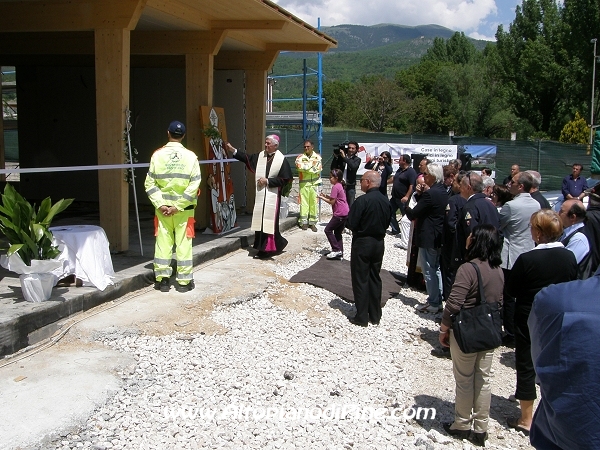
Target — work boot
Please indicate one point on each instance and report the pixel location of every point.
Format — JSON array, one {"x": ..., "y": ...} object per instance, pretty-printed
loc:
[
  {"x": 185, "y": 287},
  {"x": 163, "y": 285},
  {"x": 304, "y": 227},
  {"x": 314, "y": 228}
]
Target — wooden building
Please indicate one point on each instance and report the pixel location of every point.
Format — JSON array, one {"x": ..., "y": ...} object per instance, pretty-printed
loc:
[{"x": 81, "y": 63}]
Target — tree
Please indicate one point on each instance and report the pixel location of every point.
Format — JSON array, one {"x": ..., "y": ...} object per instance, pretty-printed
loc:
[
  {"x": 576, "y": 131},
  {"x": 460, "y": 49},
  {"x": 534, "y": 64},
  {"x": 582, "y": 17},
  {"x": 457, "y": 50},
  {"x": 337, "y": 110},
  {"x": 377, "y": 99}
]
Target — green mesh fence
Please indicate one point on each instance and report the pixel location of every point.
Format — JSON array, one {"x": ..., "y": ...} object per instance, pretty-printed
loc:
[
  {"x": 552, "y": 159},
  {"x": 11, "y": 145}
]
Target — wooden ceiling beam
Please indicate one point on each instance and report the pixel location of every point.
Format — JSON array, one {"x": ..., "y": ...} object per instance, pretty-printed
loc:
[{"x": 66, "y": 15}]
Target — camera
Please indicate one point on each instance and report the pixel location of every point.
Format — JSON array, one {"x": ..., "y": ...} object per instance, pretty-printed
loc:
[{"x": 343, "y": 146}]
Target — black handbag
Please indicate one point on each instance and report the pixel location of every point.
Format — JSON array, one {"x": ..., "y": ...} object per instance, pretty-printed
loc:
[{"x": 479, "y": 328}]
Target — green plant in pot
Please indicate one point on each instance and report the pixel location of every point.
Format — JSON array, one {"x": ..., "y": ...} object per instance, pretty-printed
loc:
[{"x": 27, "y": 230}]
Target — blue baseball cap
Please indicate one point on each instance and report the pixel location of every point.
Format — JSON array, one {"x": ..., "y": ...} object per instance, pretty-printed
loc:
[{"x": 176, "y": 128}]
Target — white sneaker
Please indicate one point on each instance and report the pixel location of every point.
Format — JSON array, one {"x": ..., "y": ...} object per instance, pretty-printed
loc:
[{"x": 334, "y": 255}]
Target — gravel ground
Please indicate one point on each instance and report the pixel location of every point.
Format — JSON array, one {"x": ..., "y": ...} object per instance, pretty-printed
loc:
[{"x": 292, "y": 373}]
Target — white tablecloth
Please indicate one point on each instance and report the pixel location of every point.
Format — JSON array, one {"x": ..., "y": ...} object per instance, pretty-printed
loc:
[{"x": 85, "y": 253}]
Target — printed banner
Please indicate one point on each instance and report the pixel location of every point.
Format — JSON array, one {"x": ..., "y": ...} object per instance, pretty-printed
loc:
[{"x": 439, "y": 154}]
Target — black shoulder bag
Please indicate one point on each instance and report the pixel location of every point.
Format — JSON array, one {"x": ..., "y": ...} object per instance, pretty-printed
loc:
[{"x": 479, "y": 328}]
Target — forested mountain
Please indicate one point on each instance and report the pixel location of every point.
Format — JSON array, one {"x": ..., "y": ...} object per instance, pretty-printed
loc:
[
  {"x": 535, "y": 80},
  {"x": 362, "y": 50},
  {"x": 352, "y": 38}
]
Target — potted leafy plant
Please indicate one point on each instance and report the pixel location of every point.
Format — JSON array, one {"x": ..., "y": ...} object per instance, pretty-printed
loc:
[{"x": 31, "y": 252}]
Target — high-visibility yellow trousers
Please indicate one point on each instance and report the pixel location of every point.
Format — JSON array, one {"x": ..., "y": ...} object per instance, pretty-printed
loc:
[
  {"x": 308, "y": 203},
  {"x": 177, "y": 230}
]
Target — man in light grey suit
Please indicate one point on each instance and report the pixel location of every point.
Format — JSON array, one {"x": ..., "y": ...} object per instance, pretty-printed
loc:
[{"x": 514, "y": 225}]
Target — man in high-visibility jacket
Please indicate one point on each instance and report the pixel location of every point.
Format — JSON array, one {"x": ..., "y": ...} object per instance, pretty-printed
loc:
[
  {"x": 172, "y": 186},
  {"x": 309, "y": 172}
]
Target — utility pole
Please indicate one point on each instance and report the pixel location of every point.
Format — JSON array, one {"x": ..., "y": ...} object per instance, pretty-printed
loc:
[{"x": 593, "y": 41}]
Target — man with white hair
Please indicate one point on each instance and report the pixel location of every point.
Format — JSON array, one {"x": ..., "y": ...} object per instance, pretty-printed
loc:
[
  {"x": 272, "y": 173},
  {"x": 429, "y": 214},
  {"x": 488, "y": 186},
  {"x": 535, "y": 190}
]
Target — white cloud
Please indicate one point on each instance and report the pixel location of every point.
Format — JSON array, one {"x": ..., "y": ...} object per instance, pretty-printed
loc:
[
  {"x": 476, "y": 35},
  {"x": 462, "y": 15}
]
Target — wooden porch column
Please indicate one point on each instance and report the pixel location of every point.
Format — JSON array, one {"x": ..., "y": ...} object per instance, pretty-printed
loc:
[
  {"x": 112, "y": 48},
  {"x": 199, "y": 76},
  {"x": 256, "y": 117}
]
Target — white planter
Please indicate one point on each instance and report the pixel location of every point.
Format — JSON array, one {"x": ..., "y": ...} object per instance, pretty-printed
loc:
[
  {"x": 283, "y": 208},
  {"x": 36, "y": 287}
]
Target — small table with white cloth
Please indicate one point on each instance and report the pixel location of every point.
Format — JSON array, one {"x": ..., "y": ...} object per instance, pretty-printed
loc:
[{"x": 85, "y": 253}]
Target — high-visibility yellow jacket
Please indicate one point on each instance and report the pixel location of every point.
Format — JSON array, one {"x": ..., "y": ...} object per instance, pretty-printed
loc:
[
  {"x": 309, "y": 167},
  {"x": 173, "y": 177}
]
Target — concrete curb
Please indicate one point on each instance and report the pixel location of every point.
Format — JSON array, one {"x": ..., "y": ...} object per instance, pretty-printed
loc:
[{"x": 33, "y": 322}]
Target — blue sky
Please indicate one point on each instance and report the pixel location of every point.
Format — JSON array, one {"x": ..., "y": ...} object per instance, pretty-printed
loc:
[{"x": 476, "y": 18}]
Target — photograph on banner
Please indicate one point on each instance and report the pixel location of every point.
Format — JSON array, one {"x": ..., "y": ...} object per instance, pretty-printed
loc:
[
  {"x": 481, "y": 156},
  {"x": 439, "y": 154}
]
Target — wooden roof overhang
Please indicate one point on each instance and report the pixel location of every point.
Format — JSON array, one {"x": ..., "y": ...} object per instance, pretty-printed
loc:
[{"x": 236, "y": 32}]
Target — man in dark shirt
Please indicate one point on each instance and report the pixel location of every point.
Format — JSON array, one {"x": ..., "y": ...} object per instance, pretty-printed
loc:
[
  {"x": 368, "y": 219},
  {"x": 402, "y": 188},
  {"x": 515, "y": 169},
  {"x": 574, "y": 185},
  {"x": 429, "y": 213}
]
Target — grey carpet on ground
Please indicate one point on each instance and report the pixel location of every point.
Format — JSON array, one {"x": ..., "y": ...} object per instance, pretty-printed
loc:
[{"x": 334, "y": 276}]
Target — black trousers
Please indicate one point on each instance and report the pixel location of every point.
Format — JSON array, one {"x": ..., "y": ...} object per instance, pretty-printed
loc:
[
  {"x": 508, "y": 309},
  {"x": 365, "y": 265},
  {"x": 523, "y": 361},
  {"x": 448, "y": 270}
]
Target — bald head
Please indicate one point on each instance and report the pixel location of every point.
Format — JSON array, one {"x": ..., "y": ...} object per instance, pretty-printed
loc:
[
  {"x": 572, "y": 211},
  {"x": 370, "y": 179}
]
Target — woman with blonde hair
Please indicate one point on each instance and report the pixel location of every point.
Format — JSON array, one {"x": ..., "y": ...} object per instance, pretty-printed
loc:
[{"x": 548, "y": 263}]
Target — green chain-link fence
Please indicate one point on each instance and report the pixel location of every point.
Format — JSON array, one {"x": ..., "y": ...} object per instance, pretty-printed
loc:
[{"x": 552, "y": 159}]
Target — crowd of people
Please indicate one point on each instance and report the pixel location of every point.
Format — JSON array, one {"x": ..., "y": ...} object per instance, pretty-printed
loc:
[
  {"x": 477, "y": 242},
  {"x": 468, "y": 230}
]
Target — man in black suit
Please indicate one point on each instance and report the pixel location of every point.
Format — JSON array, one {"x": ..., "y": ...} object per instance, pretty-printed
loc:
[
  {"x": 429, "y": 213},
  {"x": 368, "y": 219},
  {"x": 477, "y": 211}
]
